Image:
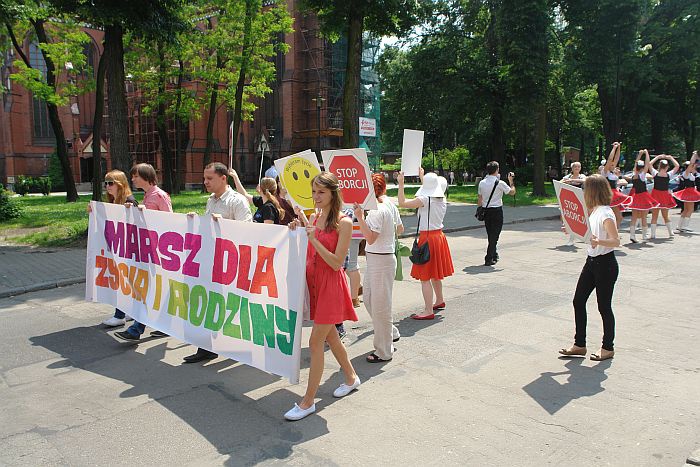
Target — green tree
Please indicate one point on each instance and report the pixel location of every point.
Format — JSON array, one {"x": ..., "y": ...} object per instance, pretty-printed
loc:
[{"x": 61, "y": 43}]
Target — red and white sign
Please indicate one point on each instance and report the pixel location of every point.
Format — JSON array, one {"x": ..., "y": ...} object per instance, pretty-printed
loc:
[
  {"x": 573, "y": 210},
  {"x": 354, "y": 175},
  {"x": 368, "y": 127}
]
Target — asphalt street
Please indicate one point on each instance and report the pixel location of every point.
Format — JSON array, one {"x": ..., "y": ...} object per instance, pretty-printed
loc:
[{"x": 480, "y": 385}]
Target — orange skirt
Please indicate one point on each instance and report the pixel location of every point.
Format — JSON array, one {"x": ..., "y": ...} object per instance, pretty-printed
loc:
[{"x": 440, "y": 264}]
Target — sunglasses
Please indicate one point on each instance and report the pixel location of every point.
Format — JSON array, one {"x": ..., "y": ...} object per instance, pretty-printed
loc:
[{"x": 109, "y": 182}]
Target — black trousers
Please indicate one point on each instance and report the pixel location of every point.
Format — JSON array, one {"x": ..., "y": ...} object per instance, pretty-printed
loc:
[
  {"x": 493, "y": 220},
  {"x": 599, "y": 273}
]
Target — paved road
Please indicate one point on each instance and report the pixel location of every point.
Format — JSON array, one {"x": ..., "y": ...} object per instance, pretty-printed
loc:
[{"x": 481, "y": 385}]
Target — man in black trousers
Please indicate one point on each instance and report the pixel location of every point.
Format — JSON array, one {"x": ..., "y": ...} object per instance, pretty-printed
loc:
[{"x": 491, "y": 191}]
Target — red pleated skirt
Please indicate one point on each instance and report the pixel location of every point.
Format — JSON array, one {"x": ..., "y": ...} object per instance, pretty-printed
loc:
[
  {"x": 642, "y": 202},
  {"x": 664, "y": 198},
  {"x": 440, "y": 264},
  {"x": 619, "y": 199},
  {"x": 690, "y": 194}
]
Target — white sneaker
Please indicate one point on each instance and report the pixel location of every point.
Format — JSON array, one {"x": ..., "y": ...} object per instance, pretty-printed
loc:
[
  {"x": 114, "y": 322},
  {"x": 297, "y": 413},
  {"x": 343, "y": 390}
]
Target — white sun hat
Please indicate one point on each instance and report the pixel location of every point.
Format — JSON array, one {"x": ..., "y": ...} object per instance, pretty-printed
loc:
[
  {"x": 443, "y": 183},
  {"x": 431, "y": 186}
]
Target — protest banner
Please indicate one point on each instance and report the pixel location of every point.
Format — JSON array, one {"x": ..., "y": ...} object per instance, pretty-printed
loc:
[
  {"x": 296, "y": 172},
  {"x": 573, "y": 210},
  {"x": 234, "y": 288},
  {"x": 354, "y": 176},
  {"x": 411, "y": 152}
]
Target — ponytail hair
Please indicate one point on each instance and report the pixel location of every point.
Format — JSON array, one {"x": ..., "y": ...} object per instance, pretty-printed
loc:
[{"x": 268, "y": 187}]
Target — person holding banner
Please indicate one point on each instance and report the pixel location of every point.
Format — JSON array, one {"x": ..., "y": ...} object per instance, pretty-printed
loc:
[
  {"x": 642, "y": 201},
  {"x": 600, "y": 270},
  {"x": 222, "y": 203},
  {"x": 281, "y": 196},
  {"x": 688, "y": 193},
  {"x": 269, "y": 209},
  {"x": 143, "y": 176},
  {"x": 608, "y": 170},
  {"x": 432, "y": 207},
  {"x": 661, "y": 193},
  {"x": 118, "y": 192},
  {"x": 329, "y": 234},
  {"x": 575, "y": 178},
  {"x": 491, "y": 191},
  {"x": 380, "y": 229}
]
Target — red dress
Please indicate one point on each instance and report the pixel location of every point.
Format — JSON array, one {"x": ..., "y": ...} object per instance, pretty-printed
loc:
[{"x": 329, "y": 293}]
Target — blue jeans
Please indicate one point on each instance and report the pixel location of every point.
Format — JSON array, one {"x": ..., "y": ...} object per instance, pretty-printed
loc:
[
  {"x": 119, "y": 314},
  {"x": 136, "y": 329}
]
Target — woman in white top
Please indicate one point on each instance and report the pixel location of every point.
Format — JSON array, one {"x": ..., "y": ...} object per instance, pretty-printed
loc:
[
  {"x": 661, "y": 192},
  {"x": 575, "y": 178},
  {"x": 380, "y": 229},
  {"x": 600, "y": 270},
  {"x": 688, "y": 193},
  {"x": 431, "y": 205}
]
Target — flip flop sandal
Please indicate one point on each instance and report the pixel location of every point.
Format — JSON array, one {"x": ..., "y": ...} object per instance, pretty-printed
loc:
[
  {"x": 599, "y": 358},
  {"x": 373, "y": 358}
]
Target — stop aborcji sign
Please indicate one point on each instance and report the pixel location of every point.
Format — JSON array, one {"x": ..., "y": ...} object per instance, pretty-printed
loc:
[
  {"x": 354, "y": 176},
  {"x": 573, "y": 210}
]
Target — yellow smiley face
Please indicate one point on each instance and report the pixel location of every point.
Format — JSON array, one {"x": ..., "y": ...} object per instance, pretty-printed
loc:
[{"x": 296, "y": 177}]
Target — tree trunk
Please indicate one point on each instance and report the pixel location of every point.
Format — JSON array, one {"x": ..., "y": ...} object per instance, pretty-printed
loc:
[
  {"x": 179, "y": 159},
  {"x": 162, "y": 127},
  {"x": 657, "y": 133},
  {"x": 97, "y": 129},
  {"x": 498, "y": 145},
  {"x": 351, "y": 91},
  {"x": 61, "y": 149},
  {"x": 611, "y": 123},
  {"x": 242, "y": 74},
  {"x": 540, "y": 136},
  {"x": 116, "y": 99},
  {"x": 213, "y": 99}
]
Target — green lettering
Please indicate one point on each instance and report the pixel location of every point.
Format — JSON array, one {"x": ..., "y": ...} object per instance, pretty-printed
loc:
[
  {"x": 263, "y": 324},
  {"x": 216, "y": 307},
  {"x": 230, "y": 329},
  {"x": 245, "y": 319},
  {"x": 288, "y": 326},
  {"x": 198, "y": 304},
  {"x": 179, "y": 296}
]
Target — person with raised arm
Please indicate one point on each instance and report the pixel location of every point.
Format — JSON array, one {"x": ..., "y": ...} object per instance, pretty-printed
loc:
[
  {"x": 661, "y": 192},
  {"x": 268, "y": 207},
  {"x": 642, "y": 201},
  {"x": 619, "y": 200},
  {"x": 688, "y": 193}
]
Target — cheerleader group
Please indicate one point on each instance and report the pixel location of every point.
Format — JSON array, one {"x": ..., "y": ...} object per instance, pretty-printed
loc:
[{"x": 639, "y": 201}]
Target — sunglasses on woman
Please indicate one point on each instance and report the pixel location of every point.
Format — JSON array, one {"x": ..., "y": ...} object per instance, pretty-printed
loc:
[{"x": 109, "y": 182}]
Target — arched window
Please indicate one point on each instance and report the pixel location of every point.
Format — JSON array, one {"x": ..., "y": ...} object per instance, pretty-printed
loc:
[
  {"x": 86, "y": 101},
  {"x": 41, "y": 126}
]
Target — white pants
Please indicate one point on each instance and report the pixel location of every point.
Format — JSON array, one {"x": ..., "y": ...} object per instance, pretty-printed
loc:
[{"x": 377, "y": 290}]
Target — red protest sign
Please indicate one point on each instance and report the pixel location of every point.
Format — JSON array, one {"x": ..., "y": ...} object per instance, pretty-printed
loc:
[
  {"x": 354, "y": 176},
  {"x": 573, "y": 209}
]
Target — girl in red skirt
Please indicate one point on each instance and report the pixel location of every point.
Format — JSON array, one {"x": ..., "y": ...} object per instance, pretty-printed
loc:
[
  {"x": 431, "y": 205},
  {"x": 642, "y": 201},
  {"x": 688, "y": 193},
  {"x": 661, "y": 193},
  {"x": 329, "y": 232},
  {"x": 619, "y": 200}
]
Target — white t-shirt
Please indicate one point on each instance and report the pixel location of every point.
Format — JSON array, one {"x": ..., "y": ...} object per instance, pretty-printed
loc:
[
  {"x": 596, "y": 219},
  {"x": 438, "y": 209},
  {"x": 485, "y": 188},
  {"x": 571, "y": 177},
  {"x": 382, "y": 220}
]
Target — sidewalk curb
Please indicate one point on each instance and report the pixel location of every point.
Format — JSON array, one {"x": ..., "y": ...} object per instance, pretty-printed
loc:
[
  {"x": 481, "y": 226},
  {"x": 41, "y": 286}
]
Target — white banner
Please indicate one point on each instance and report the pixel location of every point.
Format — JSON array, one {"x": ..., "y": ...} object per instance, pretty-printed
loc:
[
  {"x": 368, "y": 126},
  {"x": 235, "y": 288},
  {"x": 411, "y": 152}
]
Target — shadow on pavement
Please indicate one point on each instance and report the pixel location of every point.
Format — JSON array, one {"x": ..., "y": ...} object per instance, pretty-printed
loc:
[
  {"x": 481, "y": 269},
  {"x": 211, "y": 399},
  {"x": 582, "y": 381}
]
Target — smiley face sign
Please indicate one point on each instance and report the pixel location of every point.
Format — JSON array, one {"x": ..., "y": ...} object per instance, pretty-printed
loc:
[{"x": 296, "y": 172}]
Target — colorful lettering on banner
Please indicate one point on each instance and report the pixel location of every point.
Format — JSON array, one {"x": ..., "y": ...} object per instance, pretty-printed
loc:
[
  {"x": 573, "y": 210},
  {"x": 351, "y": 167},
  {"x": 230, "y": 287}
]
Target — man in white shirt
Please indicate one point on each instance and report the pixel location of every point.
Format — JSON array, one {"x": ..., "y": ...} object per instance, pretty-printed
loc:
[
  {"x": 493, "y": 218},
  {"x": 225, "y": 203}
]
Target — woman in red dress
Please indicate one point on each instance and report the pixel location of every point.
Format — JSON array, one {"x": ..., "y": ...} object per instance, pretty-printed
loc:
[
  {"x": 329, "y": 232},
  {"x": 661, "y": 193}
]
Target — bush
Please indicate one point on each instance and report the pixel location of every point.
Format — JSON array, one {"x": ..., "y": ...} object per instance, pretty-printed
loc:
[
  {"x": 24, "y": 185},
  {"x": 8, "y": 208}
]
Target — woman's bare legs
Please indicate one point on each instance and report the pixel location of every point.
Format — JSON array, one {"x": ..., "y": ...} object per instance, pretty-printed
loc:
[{"x": 437, "y": 287}]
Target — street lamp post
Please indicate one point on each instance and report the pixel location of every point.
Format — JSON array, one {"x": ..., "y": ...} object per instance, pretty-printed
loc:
[{"x": 319, "y": 100}]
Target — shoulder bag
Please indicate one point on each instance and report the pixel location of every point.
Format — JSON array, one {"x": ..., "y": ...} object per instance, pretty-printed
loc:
[
  {"x": 420, "y": 254},
  {"x": 481, "y": 211}
]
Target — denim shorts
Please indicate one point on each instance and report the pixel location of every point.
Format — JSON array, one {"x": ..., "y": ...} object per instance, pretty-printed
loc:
[{"x": 351, "y": 259}]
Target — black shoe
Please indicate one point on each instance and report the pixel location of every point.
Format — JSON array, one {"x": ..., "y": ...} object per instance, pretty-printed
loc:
[
  {"x": 157, "y": 333},
  {"x": 341, "y": 330},
  {"x": 489, "y": 262},
  {"x": 201, "y": 356},
  {"x": 396, "y": 340},
  {"x": 495, "y": 260},
  {"x": 127, "y": 336}
]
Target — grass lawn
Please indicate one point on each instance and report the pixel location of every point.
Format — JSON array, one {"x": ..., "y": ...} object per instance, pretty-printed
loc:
[{"x": 468, "y": 194}]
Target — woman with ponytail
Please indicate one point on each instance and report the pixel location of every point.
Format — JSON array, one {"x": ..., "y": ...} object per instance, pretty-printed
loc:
[{"x": 269, "y": 210}]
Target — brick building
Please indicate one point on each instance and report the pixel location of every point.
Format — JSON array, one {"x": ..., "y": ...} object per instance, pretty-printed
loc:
[{"x": 303, "y": 111}]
